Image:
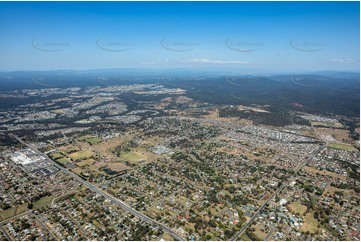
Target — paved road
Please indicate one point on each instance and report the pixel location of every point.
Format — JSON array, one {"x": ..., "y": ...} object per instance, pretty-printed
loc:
[
  {"x": 5, "y": 234},
  {"x": 94, "y": 188},
  {"x": 283, "y": 186},
  {"x": 16, "y": 216},
  {"x": 44, "y": 226}
]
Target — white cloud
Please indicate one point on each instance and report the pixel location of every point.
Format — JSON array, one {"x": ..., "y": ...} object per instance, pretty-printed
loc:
[
  {"x": 207, "y": 61},
  {"x": 342, "y": 61},
  {"x": 198, "y": 60},
  {"x": 155, "y": 62}
]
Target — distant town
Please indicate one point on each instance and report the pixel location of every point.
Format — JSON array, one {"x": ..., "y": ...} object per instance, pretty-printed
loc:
[{"x": 150, "y": 162}]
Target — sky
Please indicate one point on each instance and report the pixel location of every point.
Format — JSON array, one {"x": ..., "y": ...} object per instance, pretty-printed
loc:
[{"x": 249, "y": 36}]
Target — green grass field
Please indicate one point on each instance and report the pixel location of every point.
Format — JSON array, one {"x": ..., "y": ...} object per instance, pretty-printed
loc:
[
  {"x": 56, "y": 155},
  {"x": 244, "y": 237},
  {"x": 133, "y": 157},
  {"x": 93, "y": 140},
  {"x": 90, "y": 140},
  {"x": 71, "y": 150},
  {"x": 64, "y": 161},
  {"x": 345, "y": 147}
]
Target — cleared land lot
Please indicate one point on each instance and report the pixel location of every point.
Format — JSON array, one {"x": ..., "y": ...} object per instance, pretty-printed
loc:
[
  {"x": 297, "y": 207},
  {"x": 104, "y": 147},
  {"x": 339, "y": 134},
  {"x": 167, "y": 237},
  {"x": 309, "y": 223},
  {"x": 118, "y": 166},
  {"x": 326, "y": 173},
  {"x": 115, "y": 166},
  {"x": 259, "y": 234}
]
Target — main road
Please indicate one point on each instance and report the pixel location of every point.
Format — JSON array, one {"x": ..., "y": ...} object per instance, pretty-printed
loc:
[
  {"x": 94, "y": 188},
  {"x": 283, "y": 186},
  {"x": 5, "y": 233}
]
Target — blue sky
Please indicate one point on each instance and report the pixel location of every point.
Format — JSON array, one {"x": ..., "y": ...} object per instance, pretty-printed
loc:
[{"x": 249, "y": 36}]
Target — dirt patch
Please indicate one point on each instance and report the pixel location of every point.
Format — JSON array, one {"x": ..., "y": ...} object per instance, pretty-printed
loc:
[
  {"x": 341, "y": 135},
  {"x": 326, "y": 173},
  {"x": 214, "y": 115},
  {"x": 309, "y": 223},
  {"x": 88, "y": 162},
  {"x": 104, "y": 147},
  {"x": 254, "y": 109},
  {"x": 118, "y": 166},
  {"x": 297, "y": 207}
]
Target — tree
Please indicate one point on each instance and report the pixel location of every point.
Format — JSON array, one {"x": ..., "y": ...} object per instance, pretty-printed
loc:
[
  {"x": 212, "y": 223},
  {"x": 231, "y": 189},
  {"x": 228, "y": 233}
]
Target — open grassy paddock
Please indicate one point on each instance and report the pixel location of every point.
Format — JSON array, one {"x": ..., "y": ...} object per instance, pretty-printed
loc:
[
  {"x": 11, "y": 212},
  {"x": 88, "y": 162},
  {"x": 90, "y": 140},
  {"x": 340, "y": 146},
  {"x": 118, "y": 166},
  {"x": 79, "y": 155},
  {"x": 44, "y": 201},
  {"x": 64, "y": 161},
  {"x": 297, "y": 207},
  {"x": 56, "y": 155},
  {"x": 309, "y": 223},
  {"x": 133, "y": 156},
  {"x": 69, "y": 149}
]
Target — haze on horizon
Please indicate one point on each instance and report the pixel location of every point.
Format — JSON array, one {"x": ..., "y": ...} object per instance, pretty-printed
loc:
[{"x": 249, "y": 36}]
